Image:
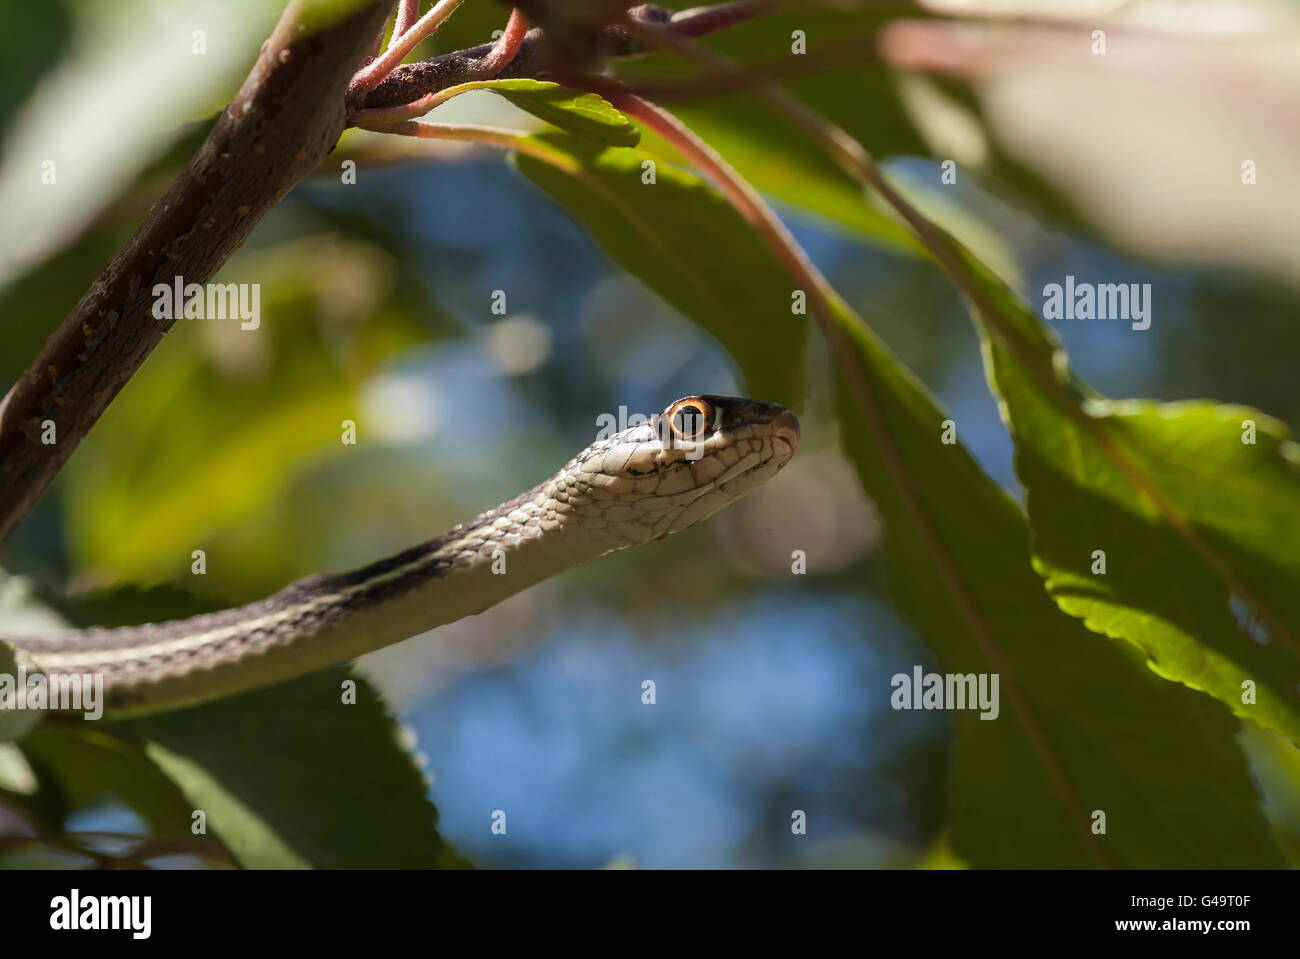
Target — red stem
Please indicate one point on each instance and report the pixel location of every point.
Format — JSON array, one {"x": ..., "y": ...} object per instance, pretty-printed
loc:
[{"x": 507, "y": 46}]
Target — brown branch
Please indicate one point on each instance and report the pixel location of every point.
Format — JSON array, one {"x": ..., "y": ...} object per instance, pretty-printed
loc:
[
  {"x": 487, "y": 67},
  {"x": 287, "y": 116},
  {"x": 412, "y": 81}
]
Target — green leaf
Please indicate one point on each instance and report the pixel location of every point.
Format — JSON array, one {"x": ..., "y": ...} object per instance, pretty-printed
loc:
[
  {"x": 88, "y": 761},
  {"x": 1083, "y": 725},
  {"x": 685, "y": 242},
  {"x": 1275, "y": 764},
  {"x": 1199, "y": 528},
  {"x": 292, "y": 777},
  {"x": 587, "y": 115}
]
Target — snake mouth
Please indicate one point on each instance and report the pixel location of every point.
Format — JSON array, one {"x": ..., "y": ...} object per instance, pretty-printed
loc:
[{"x": 785, "y": 429}]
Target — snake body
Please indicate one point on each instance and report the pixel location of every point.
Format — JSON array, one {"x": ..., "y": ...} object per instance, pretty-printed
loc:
[{"x": 652, "y": 479}]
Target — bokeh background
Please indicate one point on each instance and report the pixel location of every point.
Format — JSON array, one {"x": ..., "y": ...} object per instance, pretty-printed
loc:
[{"x": 772, "y": 688}]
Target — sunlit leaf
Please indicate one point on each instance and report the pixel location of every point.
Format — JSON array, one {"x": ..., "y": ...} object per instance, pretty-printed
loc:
[
  {"x": 582, "y": 114},
  {"x": 1083, "y": 726},
  {"x": 1195, "y": 505},
  {"x": 292, "y": 776},
  {"x": 1275, "y": 764}
]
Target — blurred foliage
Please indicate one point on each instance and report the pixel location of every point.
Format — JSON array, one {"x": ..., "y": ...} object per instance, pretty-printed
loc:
[
  {"x": 667, "y": 243},
  {"x": 128, "y": 92},
  {"x": 331, "y": 320},
  {"x": 45, "y": 30}
]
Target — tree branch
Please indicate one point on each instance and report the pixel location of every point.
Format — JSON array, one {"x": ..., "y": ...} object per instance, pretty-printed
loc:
[
  {"x": 287, "y": 116},
  {"x": 412, "y": 81},
  {"x": 284, "y": 121}
]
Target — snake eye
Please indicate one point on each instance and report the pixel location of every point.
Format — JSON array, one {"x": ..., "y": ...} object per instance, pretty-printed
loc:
[{"x": 690, "y": 418}]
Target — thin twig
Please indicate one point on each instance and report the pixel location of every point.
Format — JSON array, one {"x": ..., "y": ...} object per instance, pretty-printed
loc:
[
  {"x": 426, "y": 26},
  {"x": 506, "y": 47},
  {"x": 475, "y": 133},
  {"x": 408, "y": 11},
  {"x": 489, "y": 66},
  {"x": 409, "y": 82}
]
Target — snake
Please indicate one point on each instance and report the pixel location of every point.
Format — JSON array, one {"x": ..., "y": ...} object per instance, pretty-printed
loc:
[{"x": 659, "y": 475}]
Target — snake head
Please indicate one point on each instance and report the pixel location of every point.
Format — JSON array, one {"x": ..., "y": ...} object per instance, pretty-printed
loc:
[{"x": 679, "y": 466}]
